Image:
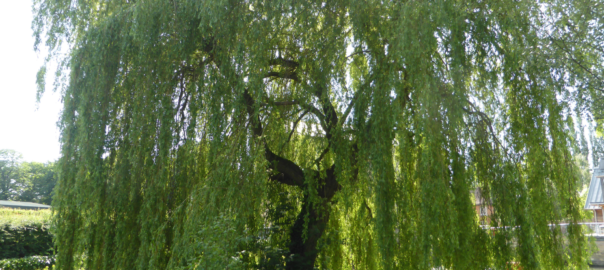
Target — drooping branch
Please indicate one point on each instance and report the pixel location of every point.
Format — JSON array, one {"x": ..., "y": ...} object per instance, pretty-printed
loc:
[{"x": 487, "y": 120}]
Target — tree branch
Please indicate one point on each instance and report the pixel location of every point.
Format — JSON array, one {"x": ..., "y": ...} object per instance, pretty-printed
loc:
[
  {"x": 283, "y": 75},
  {"x": 322, "y": 155},
  {"x": 331, "y": 117},
  {"x": 254, "y": 118},
  {"x": 486, "y": 119},
  {"x": 307, "y": 107},
  {"x": 285, "y": 171},
  {"x": 283, "y": 62},
  {"x": 289, "y": 173},
  {"x": 352, "y": 101},
  {"x": 358, "y": 52},
  {"x": 296, "y": 125}
]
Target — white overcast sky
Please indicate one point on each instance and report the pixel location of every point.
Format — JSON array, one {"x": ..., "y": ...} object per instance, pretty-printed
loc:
[{"x": 23, "y": 128}]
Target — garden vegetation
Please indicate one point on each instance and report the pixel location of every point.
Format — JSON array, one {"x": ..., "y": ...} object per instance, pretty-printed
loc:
[{"x": 25, "y": 239}]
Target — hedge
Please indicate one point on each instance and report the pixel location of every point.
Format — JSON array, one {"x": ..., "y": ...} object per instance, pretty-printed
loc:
[
  {"x": 24, "y": 233},
  {"x": 28, "y": 263}
]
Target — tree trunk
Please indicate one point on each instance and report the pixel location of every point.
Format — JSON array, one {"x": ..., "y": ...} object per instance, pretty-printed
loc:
[{"x": 304, "y": 251}]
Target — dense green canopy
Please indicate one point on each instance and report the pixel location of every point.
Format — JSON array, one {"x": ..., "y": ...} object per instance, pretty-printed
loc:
[
  {"x": 25, "y": 181},
  {"x": 336, "y": 135}
]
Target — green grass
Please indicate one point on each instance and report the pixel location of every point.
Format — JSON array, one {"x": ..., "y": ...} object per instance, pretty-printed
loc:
[{"x": 18, "y": 217}]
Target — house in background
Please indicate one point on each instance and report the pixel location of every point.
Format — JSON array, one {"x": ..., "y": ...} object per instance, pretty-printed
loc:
[
  {"x": 23, "y": 205},
  {"x": 482, "y": 207},
  {"x": 595, "y": 199}
]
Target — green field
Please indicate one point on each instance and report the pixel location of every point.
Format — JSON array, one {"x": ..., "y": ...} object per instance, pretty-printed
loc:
[{"x": 18, "y": 217}]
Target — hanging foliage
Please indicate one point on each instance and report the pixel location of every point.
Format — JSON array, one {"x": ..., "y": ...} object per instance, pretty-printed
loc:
[{"x": 306, "y": 134}]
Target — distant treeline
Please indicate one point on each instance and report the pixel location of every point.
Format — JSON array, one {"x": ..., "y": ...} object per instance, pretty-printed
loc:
[{"x": 25, "y": 181}]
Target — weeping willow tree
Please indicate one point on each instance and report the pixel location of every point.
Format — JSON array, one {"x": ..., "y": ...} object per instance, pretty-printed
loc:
[{"x": 306, "y": 134}]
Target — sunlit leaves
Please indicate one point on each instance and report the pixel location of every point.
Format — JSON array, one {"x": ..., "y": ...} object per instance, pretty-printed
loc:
[{"x": 179, "y": 115}]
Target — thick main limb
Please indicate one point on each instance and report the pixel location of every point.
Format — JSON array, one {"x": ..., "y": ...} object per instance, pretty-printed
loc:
[{"x": 284, "y": 171}]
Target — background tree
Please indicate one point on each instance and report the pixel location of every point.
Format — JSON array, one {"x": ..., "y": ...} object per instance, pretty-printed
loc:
[
  {"x": 9, "y": 172},
  {"x": 37, "y": 182},
  {"x": 336, "y": 134},
  {"x": 25, "y": 181}
]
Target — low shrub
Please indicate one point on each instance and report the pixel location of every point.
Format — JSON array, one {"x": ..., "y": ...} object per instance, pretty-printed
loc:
[
  {"x": 24, "y": 233},
  {"x": 28, "y": 263}
]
